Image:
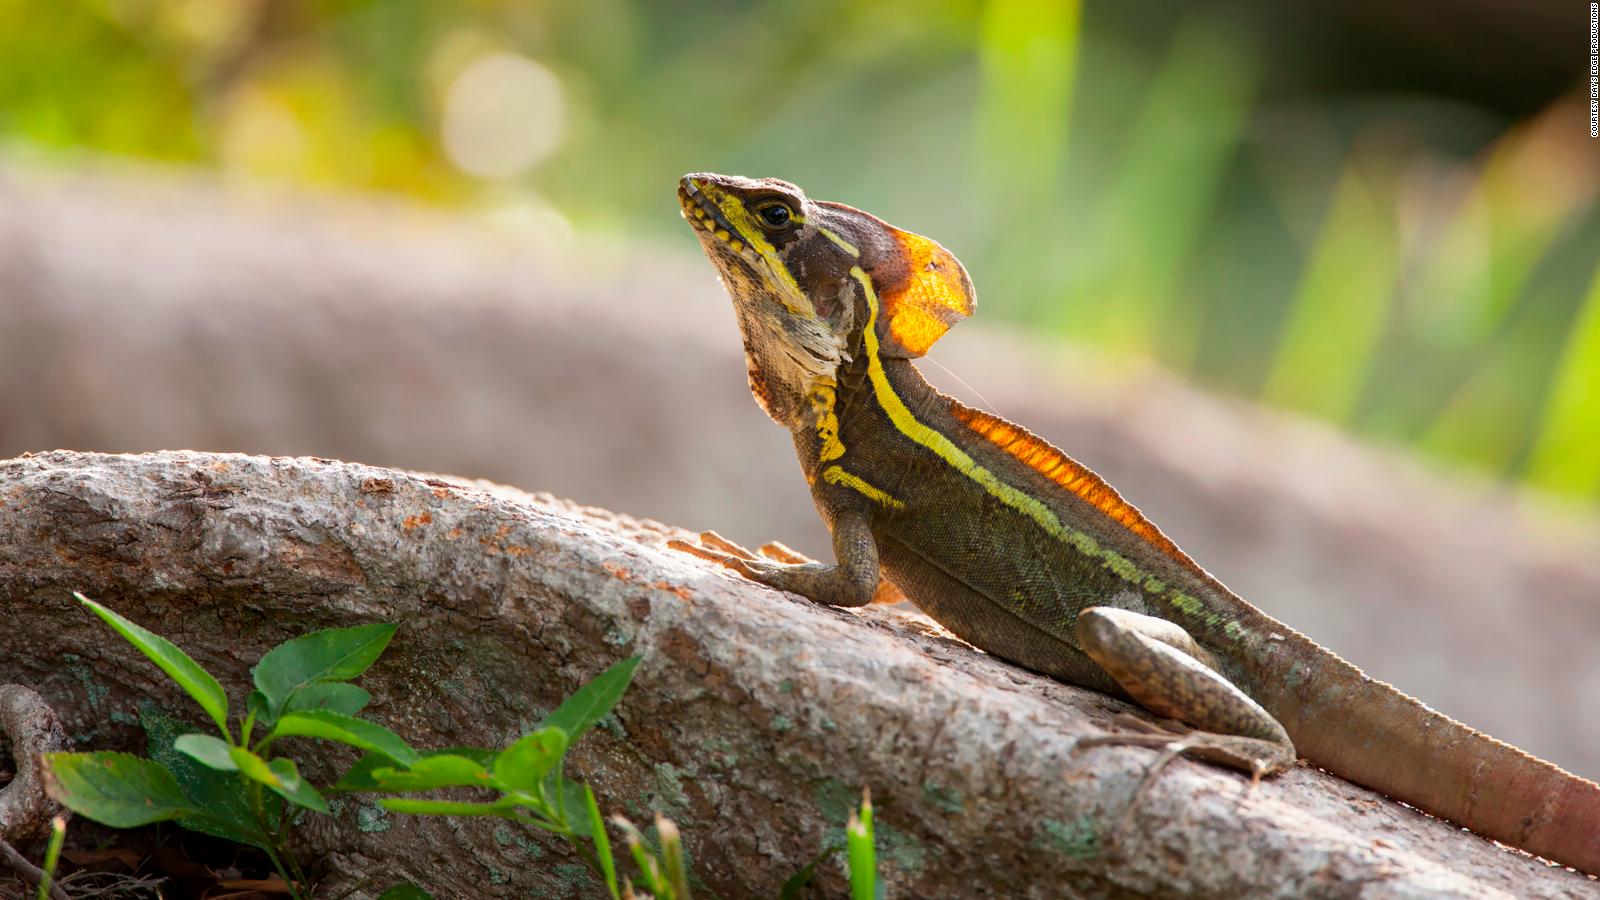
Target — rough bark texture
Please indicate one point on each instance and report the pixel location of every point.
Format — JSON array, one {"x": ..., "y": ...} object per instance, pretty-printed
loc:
[
  {"x": 144, "y": 313},
  {"x": 754, "y": 721},
  {"x": 33, "y": 729}
]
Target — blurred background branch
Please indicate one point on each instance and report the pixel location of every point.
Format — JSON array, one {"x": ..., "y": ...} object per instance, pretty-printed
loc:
[{"x": 1381, "y": 214}]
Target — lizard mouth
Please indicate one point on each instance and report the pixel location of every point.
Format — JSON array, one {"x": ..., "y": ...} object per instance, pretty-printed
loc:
[{"x": 703, "y": 214}]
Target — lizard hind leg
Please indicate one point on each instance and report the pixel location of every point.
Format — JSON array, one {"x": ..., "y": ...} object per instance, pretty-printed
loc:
[{"x": 1161, "y": 667}]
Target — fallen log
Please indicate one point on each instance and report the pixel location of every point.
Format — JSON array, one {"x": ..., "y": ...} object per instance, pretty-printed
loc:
[{"x": 754, "y": 721}]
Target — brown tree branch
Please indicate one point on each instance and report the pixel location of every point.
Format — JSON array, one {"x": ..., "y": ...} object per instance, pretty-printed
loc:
[
  {"x": 30, "y": 872},
  {"x": 754, "y": 721},
  {"x": 25, "y": 808}
]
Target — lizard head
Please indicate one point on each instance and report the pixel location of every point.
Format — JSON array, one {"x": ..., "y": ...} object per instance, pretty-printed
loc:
[{"x": 800, "y": 272}]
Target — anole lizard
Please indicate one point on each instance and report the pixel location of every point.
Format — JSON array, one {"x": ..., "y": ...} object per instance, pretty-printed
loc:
[{"x": 1030, "y": 556}]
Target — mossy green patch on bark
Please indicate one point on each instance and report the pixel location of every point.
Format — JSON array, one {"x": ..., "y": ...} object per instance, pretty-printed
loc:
[
  {"x": 372, "y": 818},
  {"x": 1078, "y": 838},
  {"x": 947, "y": 799}
]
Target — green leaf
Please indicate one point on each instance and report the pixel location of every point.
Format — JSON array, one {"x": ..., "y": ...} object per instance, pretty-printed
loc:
[
  {"x": 797, "y": 882},
  {"x": 445, "y": 770},
  {"x": 258, "y": 706},
  {"x": 602, "y": 843},
  {"x": 440, "y": 807},
  {"x": 295, "y": 789},
  {"x": 569, "y": 799},
  {"x": 252, "y": 766},
  {"x": 196, "y": 681},
  {"x": 405, "y": 890},
  {"x": 116, "y": 789},
  {"x": 220, "y": 795},
  {"x": 246, "y": 728},
  {"x": 360, "y": 776},
  {"x": 480, "y": 755},
  {"x": 332, "y": 654},
  {"x": 523, "y": 765},
  {"x": 335, "y": 726},
  {"x": 208, "y": 749},
  {"x": 281, "y": 777},
  {"x": 588, "y": 704},
  {"x": 335, "y": 696}
]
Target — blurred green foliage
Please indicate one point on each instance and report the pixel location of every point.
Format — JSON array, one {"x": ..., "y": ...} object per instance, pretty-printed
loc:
[{"x": 1144, "y": 190}]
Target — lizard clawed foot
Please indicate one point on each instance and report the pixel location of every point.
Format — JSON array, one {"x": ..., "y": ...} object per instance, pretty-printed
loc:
[
  {"x": 711, "y": 546},
  {"x": 1170, "y": 727},
  {"x": 715, "y": 548},
  {"x": 1171, "y": 745},
  {"x": 786, "y": 569},
  {"x": 1173, "y": 740},
  {"x": 780, "y": 552}
]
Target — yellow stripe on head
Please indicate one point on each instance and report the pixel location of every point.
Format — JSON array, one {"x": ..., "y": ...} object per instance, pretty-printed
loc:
[
  {"x": 838, "y": 241},
  {"x": 789, "y": 292}
]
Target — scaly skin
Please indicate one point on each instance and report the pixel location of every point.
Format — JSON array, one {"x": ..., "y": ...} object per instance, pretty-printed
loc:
[{"x": 1028, "y": 555}]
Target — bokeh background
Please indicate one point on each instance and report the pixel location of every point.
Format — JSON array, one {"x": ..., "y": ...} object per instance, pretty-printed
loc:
[
  {"x": 1316, "y": 284},
  {"x": 1380, "y": 214}
]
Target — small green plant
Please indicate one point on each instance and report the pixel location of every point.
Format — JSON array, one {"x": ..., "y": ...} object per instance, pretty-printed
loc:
[
  {"x": 662, "y": 869},
  {"x": 861, "y": 860},
  {"x": 526, "y": 776},
  {"x": 862, "y": 854},
  {"x": 232, "y": 785},
  {"x": 52, "y": 856}
]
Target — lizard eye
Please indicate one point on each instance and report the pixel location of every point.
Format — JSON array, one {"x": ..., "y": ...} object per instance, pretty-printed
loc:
[{"x": 775, "y": 215}]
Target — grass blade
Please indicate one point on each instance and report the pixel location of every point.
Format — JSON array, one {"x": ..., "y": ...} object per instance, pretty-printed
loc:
[
  {"x": 52, "y": 855},
  {"x": 602, "y": 843},
  {"x": 860, "y": 852},
  {"x": 1564, "y": 459},
  {"x": 1342, "y": 304}
]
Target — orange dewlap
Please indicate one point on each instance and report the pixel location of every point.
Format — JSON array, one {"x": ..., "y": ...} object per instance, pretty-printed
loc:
[
  {"x": 1038, "y": 455},
  {"x": 937, "y": 295}
]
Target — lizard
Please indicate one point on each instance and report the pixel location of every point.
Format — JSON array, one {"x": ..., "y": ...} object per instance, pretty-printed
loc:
[{"x": 1028, "y": 555}]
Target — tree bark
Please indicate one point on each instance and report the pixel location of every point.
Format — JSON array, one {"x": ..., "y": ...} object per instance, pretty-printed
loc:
[
  {"x": 755, "y": 719},
  {"x": 25, "y": 808}
]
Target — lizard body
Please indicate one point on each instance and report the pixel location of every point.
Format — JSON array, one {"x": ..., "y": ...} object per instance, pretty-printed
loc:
[{"x": 1030, "y": 556}]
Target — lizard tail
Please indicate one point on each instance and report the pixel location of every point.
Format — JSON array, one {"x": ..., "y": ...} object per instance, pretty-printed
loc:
[{"x": 1366, "y": 731}]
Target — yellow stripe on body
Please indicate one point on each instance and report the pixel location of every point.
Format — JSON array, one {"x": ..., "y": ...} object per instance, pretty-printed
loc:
[
  {"x": 823, "y": 396},
  {"x": 836, "y": 475},
  {"x": 959, "y": 460}
]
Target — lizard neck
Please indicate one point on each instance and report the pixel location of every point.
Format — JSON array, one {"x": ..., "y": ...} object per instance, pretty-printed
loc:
[{"x": 831, "y": 401}]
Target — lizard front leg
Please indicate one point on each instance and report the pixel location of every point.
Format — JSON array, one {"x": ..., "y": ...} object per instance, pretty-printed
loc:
[
  {"x": 1161, "y": 667},
  {"x": 853, "y": 581}
]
